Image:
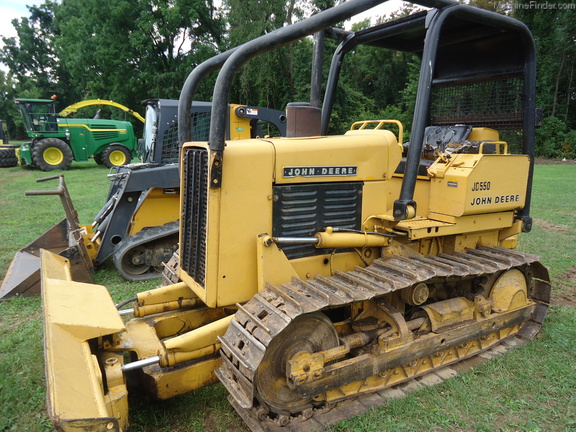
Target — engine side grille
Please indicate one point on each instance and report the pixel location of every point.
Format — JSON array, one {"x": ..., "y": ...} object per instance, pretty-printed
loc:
[
  {"x": 105, "y": 136},
  {"x": 304, "y": 210},
  {"x": 194, "y": 211}
]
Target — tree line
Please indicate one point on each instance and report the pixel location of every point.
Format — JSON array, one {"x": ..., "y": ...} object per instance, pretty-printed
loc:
[{"x": 132, "y": 50}]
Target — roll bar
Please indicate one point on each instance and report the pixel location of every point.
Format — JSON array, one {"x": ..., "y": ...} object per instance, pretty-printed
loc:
[
  {"x": 433, "y": 21},
  {"x": 405, "y": 206}
]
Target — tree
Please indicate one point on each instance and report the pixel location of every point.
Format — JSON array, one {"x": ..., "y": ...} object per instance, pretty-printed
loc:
[
  {"x": 31, "y": 56},
  {"x": 8, "y": 110},
  {"x": 554, "y": 31},
  {"x": 135, "y": 49}
]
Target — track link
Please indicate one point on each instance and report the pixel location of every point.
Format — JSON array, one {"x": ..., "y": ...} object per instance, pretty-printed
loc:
[{"x": 270, "y": 311}]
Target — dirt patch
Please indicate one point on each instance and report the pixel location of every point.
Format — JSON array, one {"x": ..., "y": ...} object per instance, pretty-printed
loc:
[
  {"x": 565, "y": 293},
  {"x": 550, "y": 227},
  {"x": 542, "y": 161}
]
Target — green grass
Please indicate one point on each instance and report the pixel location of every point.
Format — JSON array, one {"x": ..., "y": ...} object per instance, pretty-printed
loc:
[
  {"x": 554, "y": 232},
  {"x": 532, "y": 388},
  {"x": 24, "y": 218}
]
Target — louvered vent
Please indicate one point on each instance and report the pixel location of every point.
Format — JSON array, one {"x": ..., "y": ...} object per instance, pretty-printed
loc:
[{"x": 304, "y": 210}]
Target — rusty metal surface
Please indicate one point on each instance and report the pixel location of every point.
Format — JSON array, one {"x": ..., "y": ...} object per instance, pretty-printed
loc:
[
  {"x": 272, "y": 310},
  {"x": 348, "y": 408},
  {"x": 23, "y": 275},
  {"x": 171, "y": 269}
]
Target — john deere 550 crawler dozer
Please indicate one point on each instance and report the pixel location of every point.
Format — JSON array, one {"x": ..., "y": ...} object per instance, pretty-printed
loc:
[{"x": 320, "y": 269}]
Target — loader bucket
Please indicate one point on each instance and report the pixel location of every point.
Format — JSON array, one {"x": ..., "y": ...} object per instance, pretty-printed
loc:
[
  {"x": 79, "y": 396},
  {"x": 23, "y": 276}
]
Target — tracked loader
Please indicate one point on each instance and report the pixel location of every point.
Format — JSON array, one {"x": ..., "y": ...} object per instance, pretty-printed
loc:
[
  {"x": 319, "y": 270},
  {"x": 138, "y": 224}
]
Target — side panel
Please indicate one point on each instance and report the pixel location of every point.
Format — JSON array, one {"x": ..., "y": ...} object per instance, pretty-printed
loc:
[
  {"x": 245, "y": 212},
  {"x": 159, "y": 206},
  {"x": 79, "y": 137},
  {"x": 476, "y": 184},
  {"x": 357, "y": 156},
  {"x": 90, "y": 136}
]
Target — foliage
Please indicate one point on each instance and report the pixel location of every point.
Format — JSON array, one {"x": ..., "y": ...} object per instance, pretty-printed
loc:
[
  {"x": 8, "y": 110},
  {"x": 139, "y": 49},
  {"x": 549, "y": 139},
  {"x": 554, "y": 30},
  {"x": 273, "y": 79},
  {"x": 31, "y": 56}
]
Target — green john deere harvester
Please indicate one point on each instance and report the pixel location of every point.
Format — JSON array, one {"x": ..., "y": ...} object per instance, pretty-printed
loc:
[{"x": 57, "y": 141}]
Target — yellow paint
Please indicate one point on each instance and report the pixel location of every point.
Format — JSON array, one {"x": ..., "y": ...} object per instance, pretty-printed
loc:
[
  {"x": 53, "y": 156},
  {"x": 478, "y": 184},
  {"x": 75, "y": 313},
  {"x": 510, "y": 291},
  {"x": 374, "y": 153},
  {"x": 378, "y": 125},
  {"x": 239, "y": 126},
  {"x": 91, "y": 102},
  {"x": 157, "y": 208},
  {"x": 202, "y": 337},
  {"x": 483, "y": 134},
  {"x": 273, "y": 266},
  {"x": 241, "y": 209},
  {"x": 240, "y": 262},
  {"x": 199, "y": 328}
]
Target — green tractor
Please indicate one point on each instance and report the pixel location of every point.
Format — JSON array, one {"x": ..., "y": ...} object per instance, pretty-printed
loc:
[{"x": 57, "y": 140}]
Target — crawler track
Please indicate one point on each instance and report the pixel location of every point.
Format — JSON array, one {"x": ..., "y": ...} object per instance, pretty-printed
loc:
[
  {"x": 270, "y": 311},
  {"x": 140, "y": 256}
]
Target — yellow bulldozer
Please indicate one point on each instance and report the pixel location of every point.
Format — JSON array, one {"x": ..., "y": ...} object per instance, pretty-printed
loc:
[{"x": 319, "y": 269}]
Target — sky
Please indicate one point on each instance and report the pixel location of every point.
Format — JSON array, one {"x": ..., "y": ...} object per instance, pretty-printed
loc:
[{"x": 10, "y": 9}]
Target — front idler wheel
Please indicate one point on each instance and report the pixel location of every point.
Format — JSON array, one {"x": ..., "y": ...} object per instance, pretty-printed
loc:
[
  {"x": 311, "y": 333},
  {"x": 134, "y": 262}
]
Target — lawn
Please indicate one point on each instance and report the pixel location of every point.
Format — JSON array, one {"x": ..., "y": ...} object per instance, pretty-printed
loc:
[{"x": 532, "y": 388}]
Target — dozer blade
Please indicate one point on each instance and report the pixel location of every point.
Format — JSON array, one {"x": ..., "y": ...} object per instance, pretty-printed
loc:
[
  {"x": 79, "y": 397},
  {"x": 23, "y": 276}
]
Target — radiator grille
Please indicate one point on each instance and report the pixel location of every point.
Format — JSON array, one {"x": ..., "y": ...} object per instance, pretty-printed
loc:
[
  {"x": 304, "y": 210},
  {"x": 194, "y": 211}
]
